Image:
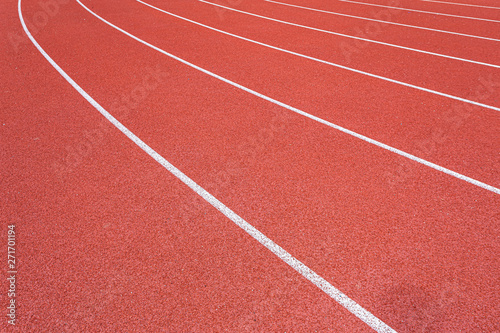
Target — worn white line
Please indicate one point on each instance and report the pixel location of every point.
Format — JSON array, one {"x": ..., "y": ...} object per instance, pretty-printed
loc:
[
  {"x": 305, "y": 114},
  {"x": 305, "y": 271},
  {"x": 385, "y": 22},
  {"x": 328, "y": 62},
  {"x": 350, "y": 36},
  {"x": 421, "y": 11}
]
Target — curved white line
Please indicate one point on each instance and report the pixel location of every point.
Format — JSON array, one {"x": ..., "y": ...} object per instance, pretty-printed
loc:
[
  {"x": 421, "y": 11},
  {"x": 303, "y": 113},
  {"x": 385, "y": 22},
  {"x": 305, "y": 271},
  {"x": 327, "y": 62},
  {"x": 350, "y": 36},
  {"x": 460, "y": 4}
]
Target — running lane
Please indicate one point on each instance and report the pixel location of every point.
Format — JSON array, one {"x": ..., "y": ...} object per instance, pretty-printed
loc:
[
  {"x": 468, "y": 47},
  {"x": 410, "y": 66},
  {"x": 467, "y": 26},
  {"x": 419, "y": 256},
  {"x": 482, "y": 3},
  {"x": 108, "y": 240},
  {"x": 446, "y": 132},
  {"x": 488, "y": 3}
]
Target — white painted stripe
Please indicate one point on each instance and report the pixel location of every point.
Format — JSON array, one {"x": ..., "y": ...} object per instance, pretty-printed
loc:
[
  {"x": 386, "y": 22},
  {"x": 305, "y": 114},
  {"x": 329, "y": 63},
  {"x": 421, "y": 11},
  {"x": 343, "y": 35},
  {"x": 305, "y": 271},
  {"x": 461, "y": 4}
]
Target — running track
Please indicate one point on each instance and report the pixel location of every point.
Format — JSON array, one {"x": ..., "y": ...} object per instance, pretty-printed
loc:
[{"x": 235, "y": 173}]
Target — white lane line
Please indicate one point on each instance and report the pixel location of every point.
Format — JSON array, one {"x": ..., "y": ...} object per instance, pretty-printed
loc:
[
  {"x": 305, "y": 114},
  {"x": 385, "y": 22},
  {"x": 305, "y": 271},
  {"x": 327, "y": 62},
  {"x": 461, "y": 4},
  {"x": 350, "y": 36},
  {"x": 421, "y": 11}
]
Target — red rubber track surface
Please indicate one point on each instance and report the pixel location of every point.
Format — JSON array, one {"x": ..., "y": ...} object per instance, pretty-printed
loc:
[
  {"x": 488, "y": 13},
  {"x": 348, "y": 50},
  {"x": 474, "y": 27},
  {"x": 110, "y": 241}
]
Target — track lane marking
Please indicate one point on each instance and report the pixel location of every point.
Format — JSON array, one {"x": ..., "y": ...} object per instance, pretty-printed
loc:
[
  {"x": 303, "y": 113},
  {"x": 385, "y": 22},
  {"x": 491, "y": 107},
  {"x": 305, "y": 271},
  {"x": 353, "y": 37},
  {"x": 421, "y": 11},
  {"x": 461, "y": 4}
]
